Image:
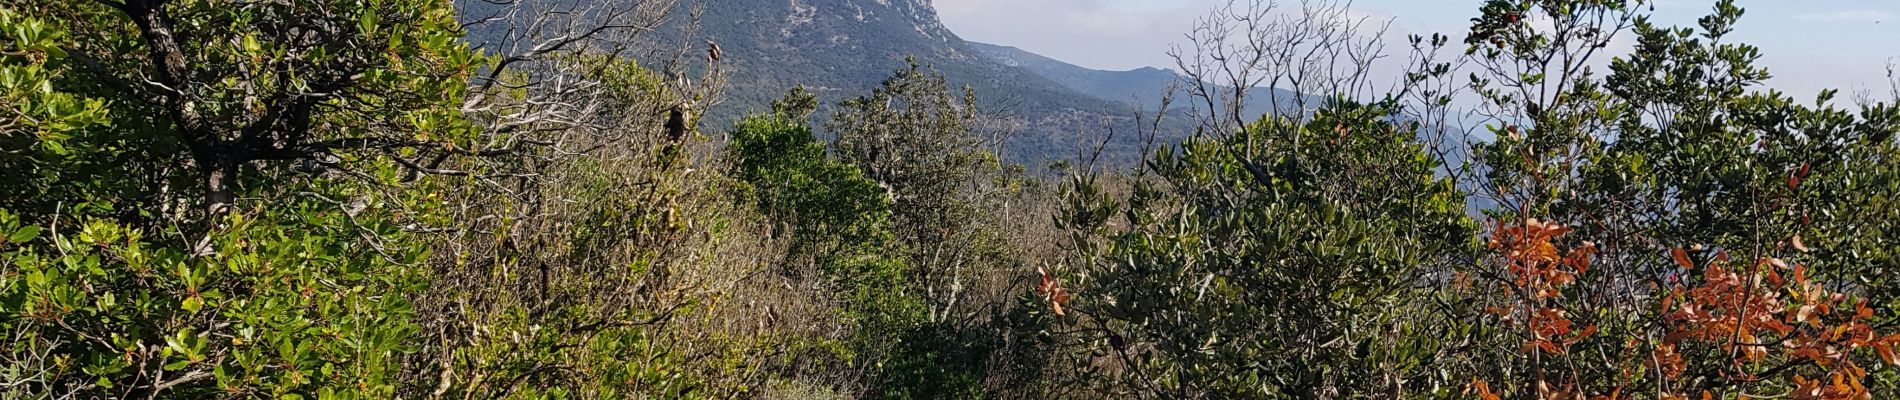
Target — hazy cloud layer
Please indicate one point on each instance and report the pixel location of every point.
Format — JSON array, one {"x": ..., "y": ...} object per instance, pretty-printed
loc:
[
  {"x": 1093, "y": 33},
  {"x": 1808, "y": 44}
]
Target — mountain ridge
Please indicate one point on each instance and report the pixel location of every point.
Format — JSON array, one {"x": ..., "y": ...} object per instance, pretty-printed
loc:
[
  {"x": 1140, "y": 86},
  {"x": 1052, "y": 110},
  {"x": 840, "y": 49}
]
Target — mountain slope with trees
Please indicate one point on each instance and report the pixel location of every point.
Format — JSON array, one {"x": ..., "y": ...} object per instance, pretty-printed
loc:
[
  {"x": 1142, "y": 87},
  {"x": 835, "y": 48}
]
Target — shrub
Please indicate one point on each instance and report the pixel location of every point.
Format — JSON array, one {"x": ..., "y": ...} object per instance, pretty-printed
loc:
[{"x": 290, "y": 303}]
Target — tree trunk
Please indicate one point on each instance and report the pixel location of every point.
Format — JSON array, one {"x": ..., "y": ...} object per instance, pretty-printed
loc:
[
  {"x": 218, "y": 177},
  {"x": 219, "y": 167}
]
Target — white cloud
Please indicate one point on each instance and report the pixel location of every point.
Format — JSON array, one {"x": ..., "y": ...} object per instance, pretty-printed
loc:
[
  {"x": 1126, "y": 34},
  {"x": 1102, "y": 34}
]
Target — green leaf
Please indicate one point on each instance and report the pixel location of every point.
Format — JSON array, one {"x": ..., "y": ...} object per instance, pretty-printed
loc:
[
  {"x": 25, "y": 234},
  {"x": 193, "y": 304},
  {"x": 367, "y": 21},
  {"x": 179, "y": 343}
]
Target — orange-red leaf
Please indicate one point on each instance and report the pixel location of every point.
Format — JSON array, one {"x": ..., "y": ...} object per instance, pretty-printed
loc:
[
  {"x": 1682, "y": 258},
  {"x": 1483, "y": 390},
  {"x": 1047, "y": 284}
]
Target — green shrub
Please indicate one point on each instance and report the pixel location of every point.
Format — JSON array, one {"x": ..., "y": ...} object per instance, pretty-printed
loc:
[{"x": 289, "y": 303}]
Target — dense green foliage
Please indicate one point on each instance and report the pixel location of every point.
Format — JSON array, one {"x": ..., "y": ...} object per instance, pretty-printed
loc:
[
  {"x": 223, "y": 88},
  {"x": 839, "y": 221},
  {"x": 111, "y": 293},
  {"x": 41, "y": 121},
  {"x": 1679, "y": 150},
  {"x": 1322, "y": 227},
  {"x": 289, "y": 305},
  {"x": 359, "y": 199}
]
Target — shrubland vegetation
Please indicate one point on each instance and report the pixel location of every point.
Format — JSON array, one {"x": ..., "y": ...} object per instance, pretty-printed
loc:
[{"x": 353, "y": 199}]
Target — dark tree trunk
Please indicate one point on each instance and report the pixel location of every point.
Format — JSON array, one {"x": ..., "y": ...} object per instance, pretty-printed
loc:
[
  {"x": 217, "y": 163},
  {"x": 219, "y": 176}
]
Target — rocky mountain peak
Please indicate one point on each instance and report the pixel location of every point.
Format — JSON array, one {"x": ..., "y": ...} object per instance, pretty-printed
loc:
[
  {"x": 917, "y": 16},
  {"x": 843, "y": 48}
]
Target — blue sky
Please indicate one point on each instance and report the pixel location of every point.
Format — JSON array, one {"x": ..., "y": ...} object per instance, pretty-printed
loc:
[{"x": 1807, "y": 44}]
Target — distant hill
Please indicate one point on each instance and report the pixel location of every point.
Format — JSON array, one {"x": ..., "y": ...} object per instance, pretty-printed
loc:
[
  {"x": 843, "y": 48},
  {"x": 1142, "y": 87},
  {"x": 1139, "y": 87}
]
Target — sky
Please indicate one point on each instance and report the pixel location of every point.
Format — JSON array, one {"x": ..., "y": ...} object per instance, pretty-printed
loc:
[{"x": 1808, "y": 45}]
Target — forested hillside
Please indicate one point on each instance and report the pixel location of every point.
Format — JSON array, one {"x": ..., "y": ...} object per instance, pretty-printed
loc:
[
  {"x": 528, "y": 199},
  {"x": 1142, "y": 88},
  {"x": 838, "y": 49}
]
